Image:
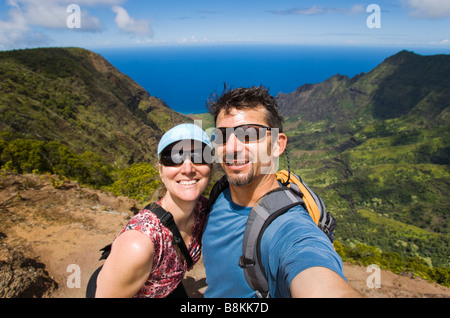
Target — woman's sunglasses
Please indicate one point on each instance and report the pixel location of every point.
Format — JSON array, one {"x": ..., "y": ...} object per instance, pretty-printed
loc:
[
  {"x": 170, "y": 158},
  {"x": 244, "y": 133}
]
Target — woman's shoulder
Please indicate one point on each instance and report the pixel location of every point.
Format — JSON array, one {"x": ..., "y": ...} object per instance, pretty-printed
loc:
[
  {"x": 146, "y": 215},
  {"x": 134, "y": 243},
  {"x": 144, "y": 221}
]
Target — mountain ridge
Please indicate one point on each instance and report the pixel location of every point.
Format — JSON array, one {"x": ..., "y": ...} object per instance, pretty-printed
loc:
[
  {"x": 382, "y": 170},
  {"x": 376, "y": 147},
  {"x": 77, "y": 97},
  {"x": 369, "y": 96}
]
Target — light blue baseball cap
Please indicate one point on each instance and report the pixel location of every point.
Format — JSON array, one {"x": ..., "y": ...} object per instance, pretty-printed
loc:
[{"x": 183, "y": 132}]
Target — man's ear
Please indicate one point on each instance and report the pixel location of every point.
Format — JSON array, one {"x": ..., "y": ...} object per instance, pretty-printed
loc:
[{"x": 280, "y": 145}]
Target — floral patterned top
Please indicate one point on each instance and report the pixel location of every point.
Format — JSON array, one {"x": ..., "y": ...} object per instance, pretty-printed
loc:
[{"x": 168, "y": 269}]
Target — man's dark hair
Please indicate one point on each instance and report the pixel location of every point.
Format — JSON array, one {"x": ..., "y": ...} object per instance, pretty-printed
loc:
[{"x": 241, "y": 98}]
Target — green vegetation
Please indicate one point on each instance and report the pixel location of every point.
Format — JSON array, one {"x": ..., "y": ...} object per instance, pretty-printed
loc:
[
  {"x": 138, "y": 181},
  {"x": 382, "y": 169},
  {"x": 76, "y": 97},
  {"x": 375, "y": 147},
  {"x": 68, "y": 111},
  {"x": 365, "y": 255},
  {"x": 386, "y": 183},
  {"x": 32, "y": 156}
]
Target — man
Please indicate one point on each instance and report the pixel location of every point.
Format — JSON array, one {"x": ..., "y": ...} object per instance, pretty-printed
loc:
[{"x": 298, "y": 258}]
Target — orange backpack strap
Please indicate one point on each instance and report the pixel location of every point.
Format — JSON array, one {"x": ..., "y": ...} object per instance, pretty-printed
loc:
[
  {"x": 314, "y": 203},
  {"x": 297, "y": 184}
]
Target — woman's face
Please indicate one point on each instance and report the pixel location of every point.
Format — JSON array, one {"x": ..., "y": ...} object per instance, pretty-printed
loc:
[{"x": 187, "y": 181}]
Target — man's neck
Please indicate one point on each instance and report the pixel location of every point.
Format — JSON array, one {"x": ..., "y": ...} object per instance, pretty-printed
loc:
[{"x": 248, "y": 194}]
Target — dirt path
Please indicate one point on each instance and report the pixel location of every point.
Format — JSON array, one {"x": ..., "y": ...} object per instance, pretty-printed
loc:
[{"x": 51, "y": 231}]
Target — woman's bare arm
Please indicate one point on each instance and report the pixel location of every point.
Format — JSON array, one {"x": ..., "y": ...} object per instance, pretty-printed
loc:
[{"x": 127, "y": 267}]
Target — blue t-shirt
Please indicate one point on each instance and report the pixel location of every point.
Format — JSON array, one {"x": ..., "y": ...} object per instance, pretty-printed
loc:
[{"x": 291, "y": 244}]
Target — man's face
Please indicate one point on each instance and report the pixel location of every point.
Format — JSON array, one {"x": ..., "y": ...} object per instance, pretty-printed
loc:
[{"x": 246, "y": 153}]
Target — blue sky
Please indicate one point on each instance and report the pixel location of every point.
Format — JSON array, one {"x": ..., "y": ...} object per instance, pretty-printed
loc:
[{"x": 129, "y": 23}]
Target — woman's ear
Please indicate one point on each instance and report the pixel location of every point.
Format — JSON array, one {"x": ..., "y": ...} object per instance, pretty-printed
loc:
[{"x": 161, "y": 173}]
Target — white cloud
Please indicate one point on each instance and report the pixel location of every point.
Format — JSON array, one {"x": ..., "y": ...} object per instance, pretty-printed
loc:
[
  {"x": 191, "y": 40},
  {"x": 129, "y": 25},
  {"x": 316, "y": 10},
  {"x": 148, "y": 40},
  {"x": 357, "y": 8},
  {"x": 445, "y": 42},
  {"x": 431, "y": 9},
  {"x": 24, "y": 15},
  {"x": 89, "y": 3},
  {"x": 52, "y": 13},
  {"x": 13, "y": 31}
]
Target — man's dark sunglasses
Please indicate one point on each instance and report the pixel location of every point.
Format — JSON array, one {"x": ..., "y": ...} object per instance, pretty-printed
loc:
[
  {"x": 171, "y": 158},
  {"x": 244, "y": 133}
]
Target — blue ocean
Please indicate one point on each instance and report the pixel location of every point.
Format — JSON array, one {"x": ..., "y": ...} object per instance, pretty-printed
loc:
[{"x": 185, "y": 76}]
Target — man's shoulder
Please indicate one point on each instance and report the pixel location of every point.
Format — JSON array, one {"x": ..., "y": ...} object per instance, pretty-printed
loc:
[
  {"x": 298, "y": 214},
  {"x": 294, "y": 223}
]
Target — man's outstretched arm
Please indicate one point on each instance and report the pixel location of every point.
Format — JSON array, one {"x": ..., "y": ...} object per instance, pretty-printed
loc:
[{"x": 317, "y": 282}]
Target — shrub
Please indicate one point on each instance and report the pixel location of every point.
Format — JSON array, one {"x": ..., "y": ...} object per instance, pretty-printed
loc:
[{"x": 139, "y": 181}]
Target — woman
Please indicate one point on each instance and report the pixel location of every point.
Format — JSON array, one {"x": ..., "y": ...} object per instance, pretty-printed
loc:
[{"x": 143, "y": 261}]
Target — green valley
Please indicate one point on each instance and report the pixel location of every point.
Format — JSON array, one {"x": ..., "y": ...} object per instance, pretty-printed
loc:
[
  {"x": 68, "y": 111},
  {"x": 377, "y": 149}
]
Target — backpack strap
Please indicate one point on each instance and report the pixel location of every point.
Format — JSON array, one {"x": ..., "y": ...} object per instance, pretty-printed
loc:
[
  {"x": 314, "y": 203},
  {"x": 105, "y": 252},
  {"x": 167, "y": 220},
  {"x": 216, "y": 190},
  {"x": 327, "y": 223},
  {"x": 265, "y": 210}
]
